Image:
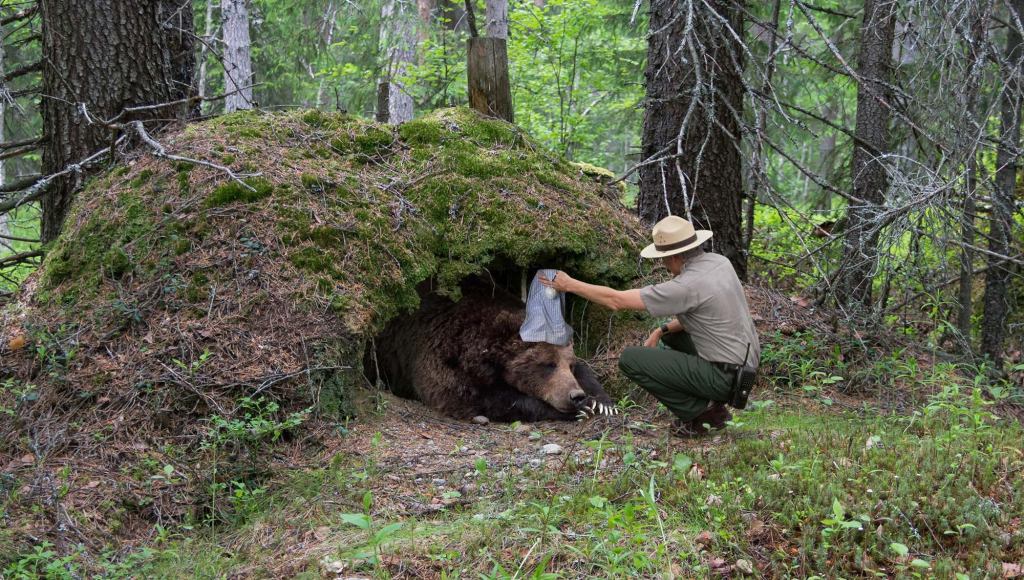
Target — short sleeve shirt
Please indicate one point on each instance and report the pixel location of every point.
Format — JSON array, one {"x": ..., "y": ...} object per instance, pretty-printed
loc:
[{"x": 707, "y": 298}]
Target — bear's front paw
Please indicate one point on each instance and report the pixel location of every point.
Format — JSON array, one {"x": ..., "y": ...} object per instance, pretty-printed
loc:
[{"x": 591, "y": 407}]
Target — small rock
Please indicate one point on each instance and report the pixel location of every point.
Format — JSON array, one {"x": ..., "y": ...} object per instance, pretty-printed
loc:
[
  {"x": 536, "y": 462},
  {"x": 463, "y": 449},
  {"x": 696, "y": 473},
  {"x": 704, "y": 538},
  {"x": 439, "y": 482},
  {"x": 744, "y": 566},
  {"x": 774, "y": 476},
  {"x": 551, "y": 449},
  {"x": 522, "y": 429},
  {"x": 481, "y": 420},
  {"x": 534, "y": 437}
]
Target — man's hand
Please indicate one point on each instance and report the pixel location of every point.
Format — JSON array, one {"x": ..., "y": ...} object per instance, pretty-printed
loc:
[
  {"x": 561, "y": 282},
  {"x": 652, "y": 340}
]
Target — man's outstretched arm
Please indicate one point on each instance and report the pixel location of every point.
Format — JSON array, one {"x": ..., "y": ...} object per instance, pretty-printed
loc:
[{"x": 603, "y": 295}]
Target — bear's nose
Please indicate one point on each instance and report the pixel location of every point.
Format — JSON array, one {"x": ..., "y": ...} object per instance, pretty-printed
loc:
[{"x": 577, "y": 396}]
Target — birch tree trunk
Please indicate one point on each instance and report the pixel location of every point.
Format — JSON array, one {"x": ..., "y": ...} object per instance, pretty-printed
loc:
[
  {"x": 691, "y": 130},
  {"x": 106, "y": 55},
  {"x": 398, "y": 43},
  {"x": 237, "y": 55},
  {"x": 497, "y": 19},
  {"x": 874, "y": 69},
  {"x": 997, "y": 278}
]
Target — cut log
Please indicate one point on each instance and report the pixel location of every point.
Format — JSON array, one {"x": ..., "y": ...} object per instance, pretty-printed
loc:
[{"x": 489, "y": 90}]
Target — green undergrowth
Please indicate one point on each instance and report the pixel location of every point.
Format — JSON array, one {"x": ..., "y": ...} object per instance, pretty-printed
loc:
[{"x": 787, "y": 492}]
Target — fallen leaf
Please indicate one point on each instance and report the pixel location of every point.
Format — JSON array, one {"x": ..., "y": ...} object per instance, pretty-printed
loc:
[
  {"x": 28, "y": 459},
  {"x": 704, "y": 538},
  {"x": 17, "y": 342},
  {"x": 1012, "y": 570}
]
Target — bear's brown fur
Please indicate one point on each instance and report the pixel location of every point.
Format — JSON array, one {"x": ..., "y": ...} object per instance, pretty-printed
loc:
[{"x": 466, "y": 359}]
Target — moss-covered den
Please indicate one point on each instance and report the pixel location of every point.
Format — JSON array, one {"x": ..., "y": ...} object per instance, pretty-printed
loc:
[{"x": 175, "y": 291}]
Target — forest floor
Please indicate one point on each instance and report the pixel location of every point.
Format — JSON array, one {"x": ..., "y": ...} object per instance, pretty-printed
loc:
[
  {"x": 795, "y": 486},
  {"x": 850, "y": 461}
]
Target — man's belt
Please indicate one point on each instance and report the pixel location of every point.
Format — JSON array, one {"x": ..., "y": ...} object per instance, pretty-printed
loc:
[{"x": 742, "y": 378}]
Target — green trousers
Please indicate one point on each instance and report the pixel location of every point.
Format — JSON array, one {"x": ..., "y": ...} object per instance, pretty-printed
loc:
[{"x": 676, "y": 376}]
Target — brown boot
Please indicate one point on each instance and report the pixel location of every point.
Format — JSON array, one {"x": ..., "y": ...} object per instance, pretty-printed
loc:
[{"x": 712, "y": 419}]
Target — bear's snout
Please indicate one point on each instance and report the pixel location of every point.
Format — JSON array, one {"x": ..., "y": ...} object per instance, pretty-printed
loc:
[{"x": 577, "y": 396}]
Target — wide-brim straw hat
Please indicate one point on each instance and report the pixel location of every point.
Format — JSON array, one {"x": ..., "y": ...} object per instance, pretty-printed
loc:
[{"x": 674, "y": 235}]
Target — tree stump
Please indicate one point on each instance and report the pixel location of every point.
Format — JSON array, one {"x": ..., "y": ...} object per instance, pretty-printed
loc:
[{"x": 489, "y": 90}]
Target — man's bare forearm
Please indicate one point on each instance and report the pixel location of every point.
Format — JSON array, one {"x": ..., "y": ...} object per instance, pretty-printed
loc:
[{"x": 607, "y": 297}]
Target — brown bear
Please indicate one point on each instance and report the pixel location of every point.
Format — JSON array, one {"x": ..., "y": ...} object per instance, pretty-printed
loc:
[{"x": 466, "y": 359}]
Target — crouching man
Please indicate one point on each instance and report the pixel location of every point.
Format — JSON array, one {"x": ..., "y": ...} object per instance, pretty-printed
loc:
[{"x": 710, "y": 348}]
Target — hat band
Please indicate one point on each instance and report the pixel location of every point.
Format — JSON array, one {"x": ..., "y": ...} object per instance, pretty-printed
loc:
[{"x": 676, "y": 245}]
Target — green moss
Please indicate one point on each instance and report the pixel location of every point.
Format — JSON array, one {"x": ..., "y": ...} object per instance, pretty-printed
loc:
[
  {"x": 182, "y": 246},
  {"x": 313, "y": 260},
  {"x": 233, "y": 191},
  {"x": 107, "y": 244},
  {"x": 315, "y": 184},
  {"x": 324, "y": 120},
  {"x": 374, "y": 141},
  {"x": 421, "y": 132},
  {"x": 227, "y": 159},
  {"x": 116, "y": 263},
  {"x": 141, "y": 178},
  {"x": 198, "y": 289}
]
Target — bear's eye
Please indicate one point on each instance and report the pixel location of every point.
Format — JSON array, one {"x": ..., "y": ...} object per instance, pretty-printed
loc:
[{"x": 550, "y": 365}]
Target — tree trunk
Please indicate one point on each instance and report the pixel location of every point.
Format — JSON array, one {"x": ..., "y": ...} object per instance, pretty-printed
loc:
[
  {"x": 963, "y": 320},
  {"x": 105, "y": 55},
  {"x": 691, "y": 122},
  {"x": 976, "y": 56},
  {"x": 497, "y": 19},
  {"x": 203, "y": 48},
  {"x": 760, "y": 172},
  {"x": 874, "y": 68},
  {"x": 398, "y": 42},
  {"x": 426, "y": 10},
  {"x": 4, "y": 229},
  {"x": 997, "y": 278},
  {"x": 237, "y": 55},
  {"x": 487, "y": 76},
  {"x": 453, "y": 13}
]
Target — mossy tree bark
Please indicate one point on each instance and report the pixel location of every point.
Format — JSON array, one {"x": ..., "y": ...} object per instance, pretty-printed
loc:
[
  {"x": 997, "y": 278},
  {"x": 874, "y": 71},
  {"x": 691, "y": 138},
  {"x": 106, "y": 55}
]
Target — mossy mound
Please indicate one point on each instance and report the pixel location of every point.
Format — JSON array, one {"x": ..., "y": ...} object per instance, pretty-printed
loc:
[{"x": 176, "y": 291}]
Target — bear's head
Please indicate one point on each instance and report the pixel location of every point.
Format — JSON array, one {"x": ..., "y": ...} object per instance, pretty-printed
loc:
[{"x": 544, "y": 371}]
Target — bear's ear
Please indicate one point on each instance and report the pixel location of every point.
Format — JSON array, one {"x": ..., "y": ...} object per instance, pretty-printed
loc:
[{"x": 508, "y": 321}]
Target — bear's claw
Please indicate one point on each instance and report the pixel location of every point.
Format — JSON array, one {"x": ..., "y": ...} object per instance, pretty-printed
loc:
[{"x": 594, "y": 408}]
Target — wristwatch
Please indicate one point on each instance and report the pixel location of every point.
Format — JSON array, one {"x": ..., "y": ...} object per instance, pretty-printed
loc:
[{"x": 664, "y": 328}]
